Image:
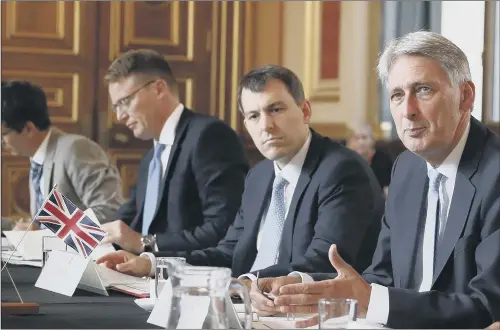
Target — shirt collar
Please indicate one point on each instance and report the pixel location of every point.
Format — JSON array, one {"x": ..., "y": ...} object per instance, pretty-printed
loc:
[
  {"x": 167, "y": 135},
  {"x": 291, "y": 171},
  {"x": 450, "y": 165},
  {"x": 39, "y": 156}
]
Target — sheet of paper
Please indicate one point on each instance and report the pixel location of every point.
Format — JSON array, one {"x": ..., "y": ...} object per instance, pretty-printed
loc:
[
  {"x": 31, "y": 245},
  {"x": 101, "y": 250},
  {"x": 194, "y": 312},
  {"x": 160, "y": 313},
  {"x": 62, "y": 272}
]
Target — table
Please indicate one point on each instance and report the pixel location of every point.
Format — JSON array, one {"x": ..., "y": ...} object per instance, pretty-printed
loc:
[{"x": 84, "y": 310}]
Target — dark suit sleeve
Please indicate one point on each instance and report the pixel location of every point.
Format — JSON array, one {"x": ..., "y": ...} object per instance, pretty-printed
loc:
[
  {"x": 128, "y": 210},
  {"x": 219, "y": 165},
  {"x": 346, "y": 205}
]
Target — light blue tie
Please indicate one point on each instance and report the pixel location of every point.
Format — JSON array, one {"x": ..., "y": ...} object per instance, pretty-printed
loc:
[
  {"x": 35, "y": 177},
  {"x": 272, "y": 229},
  {"x": 152, "y": 189}
]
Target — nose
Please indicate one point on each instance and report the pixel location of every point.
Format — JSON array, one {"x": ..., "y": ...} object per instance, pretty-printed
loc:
[
  {"x": 410, "y": 107},
  {"x": 121, "y": 116},
  {"x": 266, "y": 121}
]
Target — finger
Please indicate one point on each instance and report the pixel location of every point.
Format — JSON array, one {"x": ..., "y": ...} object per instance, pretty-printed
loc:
[
  {"x": 308, "y": 322},
  {"x": 337, "y": 262},
  {"x": 297, "y": 299},
  {"x": 300, "y": 309},
  {"x": 312, "y": 288},
  {"x": 265, "y": 314},
  {"x": 108, "y": 264},
  {"x": 129, "y": 267},
  {"x": 261, "y": 303},
  {"x": 114, "y": 257}
]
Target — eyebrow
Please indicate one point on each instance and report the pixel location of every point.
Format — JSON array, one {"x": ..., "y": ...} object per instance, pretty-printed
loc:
[
  {"x": 412, "y": 85},
  {"x": 269, "y": 106}
]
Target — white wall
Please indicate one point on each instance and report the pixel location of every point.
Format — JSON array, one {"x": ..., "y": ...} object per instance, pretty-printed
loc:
[{"x": 463, "y": 23}]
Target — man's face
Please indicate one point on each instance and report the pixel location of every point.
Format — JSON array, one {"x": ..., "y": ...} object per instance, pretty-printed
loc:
[
  {"x": 362, "y": 141},
  {"x": 277, "y": 125},
  {"x": 426, "y": 109},
  {"x": 135, "y": 101},
  {"x": 15, "y": 143}
]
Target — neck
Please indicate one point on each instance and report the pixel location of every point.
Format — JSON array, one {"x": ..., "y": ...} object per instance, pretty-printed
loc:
[
  {"x": 163, "y": 117},
  {"x": 37, "y": 141},
  {"x": 437, "y": 159}
]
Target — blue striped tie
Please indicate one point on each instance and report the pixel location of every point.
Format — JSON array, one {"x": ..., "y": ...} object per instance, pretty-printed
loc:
[{"x": 152, "y": 189}]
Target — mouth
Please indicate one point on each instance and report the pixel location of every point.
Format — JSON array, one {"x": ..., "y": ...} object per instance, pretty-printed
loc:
[
  {"x": 272, "y": 140},
  {"x": 131, "y": 126},
  {"x": 415, "y": 132}
]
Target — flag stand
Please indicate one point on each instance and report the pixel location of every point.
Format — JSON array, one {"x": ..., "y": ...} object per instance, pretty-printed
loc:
[{"x": 20, "y": 308}]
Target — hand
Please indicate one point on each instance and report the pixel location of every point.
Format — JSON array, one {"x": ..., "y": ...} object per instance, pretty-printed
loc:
[
  {"x": 126, "y": 262},
  {"x": 304, "y": 297},
  {"x": 121, "y": 234},
  {"x": 495, "y": 326},
  {"x": 24, "y": 224},
  {"x": 263, "y": 305}
]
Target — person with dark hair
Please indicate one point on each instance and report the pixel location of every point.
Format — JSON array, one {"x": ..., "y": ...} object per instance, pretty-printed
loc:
[
  {"x": 79, "y": 166},
  {"x": 191, "y": 180},
  {"x": 309, "y": 193}
]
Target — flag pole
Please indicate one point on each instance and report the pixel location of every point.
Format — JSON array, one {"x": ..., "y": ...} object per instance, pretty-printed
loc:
[{"x": 31, "y": 223}]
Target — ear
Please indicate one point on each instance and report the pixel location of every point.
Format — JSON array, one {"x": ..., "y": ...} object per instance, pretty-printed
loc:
[
  {"x": 468, "y": 95},
  {"x": 29, "y": 128},
  {"x": 307, "y": 111}
]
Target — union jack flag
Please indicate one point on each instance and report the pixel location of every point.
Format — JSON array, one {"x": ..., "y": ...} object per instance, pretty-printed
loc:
[{"x": 70, "y": 224}]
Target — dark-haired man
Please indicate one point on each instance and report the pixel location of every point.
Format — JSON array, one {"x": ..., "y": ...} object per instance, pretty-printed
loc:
[
  {"x": 309, "y": 193},
  {"x": 79, "y": 166}
]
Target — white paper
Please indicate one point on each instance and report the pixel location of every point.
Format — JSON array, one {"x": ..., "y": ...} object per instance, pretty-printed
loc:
[
  {"x": 112, "y": 277},
  {"x": 31, "y": 245},
  {"x": 161, "y": 311},
  {"x": 62, "y": 272},
  {"x": 101, "y": 250},
  {"x": 194, "y": 310},
  {"x": 91, "y": 281}
]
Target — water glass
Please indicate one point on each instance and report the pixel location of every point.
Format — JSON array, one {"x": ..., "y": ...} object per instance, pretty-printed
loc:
[
  {"x": 161, "y": 272},
  {"x": 336, "y": 313},
  {"x": 51, "y": 243}
]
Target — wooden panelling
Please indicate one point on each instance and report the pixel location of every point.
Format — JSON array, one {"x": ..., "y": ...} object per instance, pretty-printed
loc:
[
  {"x": 330, "y": 40},
  {"x": 15, "y": 182},
  {"x": 41, "y": 27},
  {"x": 127, "y": 162}
]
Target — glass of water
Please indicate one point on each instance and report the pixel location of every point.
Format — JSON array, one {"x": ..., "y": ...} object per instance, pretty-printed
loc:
[
  {"x": 51, "y": 243},
  {"x": 337, "y": 313},
  {"x": 161, "y": 273}
]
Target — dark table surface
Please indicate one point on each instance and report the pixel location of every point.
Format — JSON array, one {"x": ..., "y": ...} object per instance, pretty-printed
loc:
[{"x": 85, "y": 310}]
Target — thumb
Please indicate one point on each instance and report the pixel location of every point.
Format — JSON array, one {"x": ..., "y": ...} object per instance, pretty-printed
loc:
[
  {"x": 126, "y": 267},
  {"x": 337, "y": 262}
]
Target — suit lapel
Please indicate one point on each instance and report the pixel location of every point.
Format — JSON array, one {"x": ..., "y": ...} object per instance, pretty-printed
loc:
[
  {"x": 463, "y": 195},
  {"x": 411, "y": 212},
  {"x": 180, "y": 133},
  {"x": 308, "y": 168},
  {"x": 254, "y": 209},
  {"x": 48, "y": 163}
]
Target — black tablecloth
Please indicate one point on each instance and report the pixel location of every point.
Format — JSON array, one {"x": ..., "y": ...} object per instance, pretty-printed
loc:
[{"x": 84, "y": 310}]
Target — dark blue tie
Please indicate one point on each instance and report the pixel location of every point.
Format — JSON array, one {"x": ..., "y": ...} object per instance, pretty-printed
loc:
[
  {"x": 35, "y": 177},
  {"x": 152, "y": 189}
]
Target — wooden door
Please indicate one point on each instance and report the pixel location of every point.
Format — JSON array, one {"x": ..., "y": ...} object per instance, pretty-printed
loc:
[{"x": 52, "y": 44}]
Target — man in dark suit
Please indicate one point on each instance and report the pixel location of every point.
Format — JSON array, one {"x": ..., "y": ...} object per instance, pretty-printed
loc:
[
  {"x": 437, "y": 262},
  {"x": 190, "y": 183},
  {"x": 309, "y": 193}
]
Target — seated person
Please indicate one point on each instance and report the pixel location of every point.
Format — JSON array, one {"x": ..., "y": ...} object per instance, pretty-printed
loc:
[
  {"x": 191, "y": 180},
  {"x": 310, "y": 192},
  {"x": 79, "y": 166},
  {"x": 437, "y": 262},
  {"x": 361, "y": 140}
]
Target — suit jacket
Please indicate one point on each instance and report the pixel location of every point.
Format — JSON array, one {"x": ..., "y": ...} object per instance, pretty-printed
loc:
[
  {"x": 83, "y": 173},
  {"x": 337, "y": 200},
  {"x": 466, "y": 286},
  {"x": 201, "y": 189}
]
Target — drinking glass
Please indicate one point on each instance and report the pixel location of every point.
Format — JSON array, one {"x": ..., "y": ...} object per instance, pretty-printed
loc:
[{"x": 336, "y": 313}]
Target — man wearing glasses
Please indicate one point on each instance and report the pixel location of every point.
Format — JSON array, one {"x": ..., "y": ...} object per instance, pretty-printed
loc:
[
  {"x": 79, "y": 166},
  {"x": 191, "y": 181}
]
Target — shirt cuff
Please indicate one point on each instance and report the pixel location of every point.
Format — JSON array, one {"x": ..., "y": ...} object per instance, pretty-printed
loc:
[
  {"x": 152, "y": 258},
  {"x": 378, "y": 306},
  {"x": 249, "y": 276},
  {"x": 306, "y": 278}
]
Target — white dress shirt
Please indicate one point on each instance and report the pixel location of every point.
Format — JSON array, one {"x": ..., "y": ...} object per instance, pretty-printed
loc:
[
  {"x": 39, "y": 158},
  {"x": 167, "y": 135},
  {"x": 291, "y": 173},
  {"x": 378, "y": 307}
]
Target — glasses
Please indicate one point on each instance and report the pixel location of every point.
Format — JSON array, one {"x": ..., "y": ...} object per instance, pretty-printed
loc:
[
  {"x": 337, "y": 313},
  {"x": 123, "y": 103}
]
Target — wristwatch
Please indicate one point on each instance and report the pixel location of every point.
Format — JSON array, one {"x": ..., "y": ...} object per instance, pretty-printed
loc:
[{"x": 148, "y": 242}]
